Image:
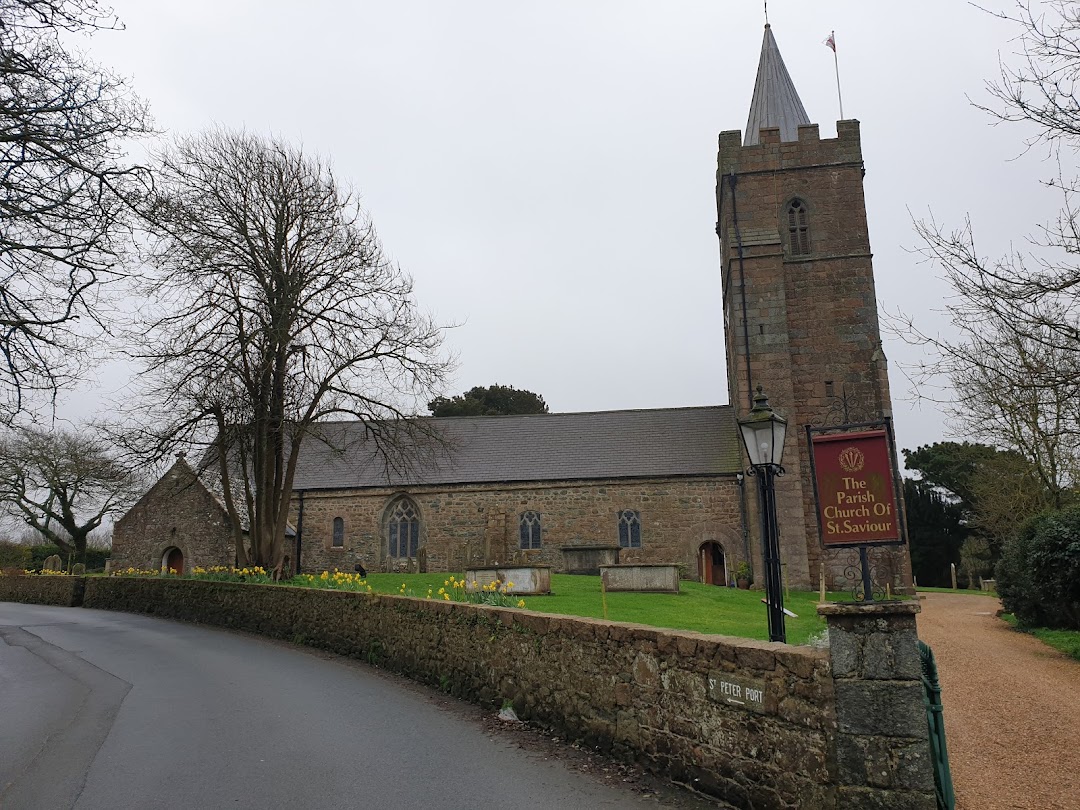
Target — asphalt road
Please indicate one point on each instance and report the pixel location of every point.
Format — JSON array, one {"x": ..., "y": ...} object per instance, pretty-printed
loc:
[{"x": 109, "y": 710}]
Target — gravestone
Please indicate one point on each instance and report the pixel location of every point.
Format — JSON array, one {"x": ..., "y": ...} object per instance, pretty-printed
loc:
[
  {"x": 654, "y": 578},
  {"x": 78, "y": 570},
  {"x": 588, "y": 559},
  {"x": 53, "y": 563}
]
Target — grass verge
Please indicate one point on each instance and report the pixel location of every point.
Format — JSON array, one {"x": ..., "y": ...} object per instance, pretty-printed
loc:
[
  {"x": 704, "y": 608},
  {"x": 1067, "y": 641}
]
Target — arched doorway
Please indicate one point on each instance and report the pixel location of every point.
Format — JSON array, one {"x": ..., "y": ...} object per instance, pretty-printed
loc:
[
  {"x": 712, "y": 564},
  {"x": 173, "y": 560}
]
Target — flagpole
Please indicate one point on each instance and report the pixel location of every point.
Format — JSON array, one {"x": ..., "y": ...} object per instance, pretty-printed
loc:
[{"x": 836, "y": 63}]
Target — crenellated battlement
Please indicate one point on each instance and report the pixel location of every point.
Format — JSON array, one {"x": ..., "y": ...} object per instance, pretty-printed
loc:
[{"x": 772, "y": 154}]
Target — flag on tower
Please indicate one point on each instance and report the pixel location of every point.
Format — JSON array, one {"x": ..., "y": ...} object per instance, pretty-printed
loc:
[{"x": 831, "y": 43}]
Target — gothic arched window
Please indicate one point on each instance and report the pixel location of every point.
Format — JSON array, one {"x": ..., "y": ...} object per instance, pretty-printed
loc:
[
  {"x": 629, "y": 529},
  {"x": 530, "y": 530},
  {"x": 338, "y": 539},
  {"x": 798, "y": 224},
  {"x": 403, "y": 529}
]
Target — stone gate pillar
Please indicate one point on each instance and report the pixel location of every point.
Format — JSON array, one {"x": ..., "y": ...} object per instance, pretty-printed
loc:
[{"x": 882, "y": 756}]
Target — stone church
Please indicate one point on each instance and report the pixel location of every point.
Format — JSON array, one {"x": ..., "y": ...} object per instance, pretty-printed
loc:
[{"x": 661, "y": 486}]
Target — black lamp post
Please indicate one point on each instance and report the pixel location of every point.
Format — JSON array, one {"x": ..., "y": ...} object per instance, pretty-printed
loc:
[{"x": 763, "y": 432}]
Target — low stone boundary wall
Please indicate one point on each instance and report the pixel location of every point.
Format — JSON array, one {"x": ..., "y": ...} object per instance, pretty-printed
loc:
[
  {"x": 670, "y": 700},
  {"x": 755, "y": 723},
  {"x": 42, "y": 589}
]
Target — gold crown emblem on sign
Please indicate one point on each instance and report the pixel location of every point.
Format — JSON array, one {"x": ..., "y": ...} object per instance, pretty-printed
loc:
[{"x": 851, "y": 459}]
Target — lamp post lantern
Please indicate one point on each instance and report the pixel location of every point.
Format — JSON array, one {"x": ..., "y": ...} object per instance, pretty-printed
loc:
[{"x": 763, "y": 432}]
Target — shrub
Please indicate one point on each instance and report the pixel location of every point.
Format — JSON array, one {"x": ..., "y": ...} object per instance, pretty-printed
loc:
[
  {"x": 14, "y": 555},
  {"x": 95, "y": 557},
  {"x": 1038, "y": 577}
]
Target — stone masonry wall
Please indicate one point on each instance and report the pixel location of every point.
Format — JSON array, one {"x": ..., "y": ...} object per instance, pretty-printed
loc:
[
  {"x": 750, "y": 722},
  {"x": 38, "y": 589},
  {"x": 760, "y": 725},
  {"x": 460, "y": 524},
  {"x": 811, "y": 323},
  {"x": 177, "y": 511},
  {"x": 882, "y": 750}
]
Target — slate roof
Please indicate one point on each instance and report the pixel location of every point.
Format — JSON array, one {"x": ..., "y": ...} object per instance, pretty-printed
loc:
[
  {"x": 776, "y": 102},
  {"x": 547, "y": 447}
]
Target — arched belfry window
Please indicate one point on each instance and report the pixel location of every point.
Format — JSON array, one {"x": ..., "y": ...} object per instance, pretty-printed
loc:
[
  {"x": 403, "y": 529},
  {"x": 798, "y": 223}
]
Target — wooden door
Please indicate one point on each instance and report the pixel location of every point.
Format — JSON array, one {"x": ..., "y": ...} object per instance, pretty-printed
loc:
[
  {"x": 711, "y": 567},
  {"x": 175, "y": 561}
]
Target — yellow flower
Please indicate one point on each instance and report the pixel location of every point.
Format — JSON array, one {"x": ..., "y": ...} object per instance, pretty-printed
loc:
[{"x": 521, "y": 603}]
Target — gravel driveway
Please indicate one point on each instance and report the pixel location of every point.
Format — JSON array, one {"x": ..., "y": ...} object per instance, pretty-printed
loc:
[{"x": 1012, "y": 708}]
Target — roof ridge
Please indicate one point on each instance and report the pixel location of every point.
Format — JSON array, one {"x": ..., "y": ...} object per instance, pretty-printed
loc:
[{"x": 668, "y": 409}]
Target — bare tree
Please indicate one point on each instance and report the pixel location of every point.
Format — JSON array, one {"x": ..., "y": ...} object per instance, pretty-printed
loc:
[
  {"x": 1009, "y": 490},
  {"x": 1013, "y": 358},
  {"x": 1013, "y": 387},
  {"x": 1035, "y": 291},
  {"x": 63, "y": 484},
  {"x": 278, "y": 310},
  {"x": 1041, "y": 89},
  {"x": 63, "y": 183}
]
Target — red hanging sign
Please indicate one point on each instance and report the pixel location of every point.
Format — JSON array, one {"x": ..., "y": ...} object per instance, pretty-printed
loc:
[{"x": 855, "y": 494}]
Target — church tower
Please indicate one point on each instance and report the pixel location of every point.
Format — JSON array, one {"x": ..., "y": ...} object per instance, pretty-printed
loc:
[{"x": 800, "y": 310}]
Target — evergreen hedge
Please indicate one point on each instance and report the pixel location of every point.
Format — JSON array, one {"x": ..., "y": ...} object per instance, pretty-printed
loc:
[
  {"x": 16, "y": 555},
  {"x": 1038, "y": 577}
]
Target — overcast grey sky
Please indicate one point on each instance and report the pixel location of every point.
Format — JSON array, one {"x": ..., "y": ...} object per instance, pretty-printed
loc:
[{"x": 546, "y": 171}]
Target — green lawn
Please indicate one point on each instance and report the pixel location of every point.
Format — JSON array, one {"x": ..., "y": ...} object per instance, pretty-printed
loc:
[
  {"x": 1068, "y": 641},
  {"x": 705, "y": 608}
]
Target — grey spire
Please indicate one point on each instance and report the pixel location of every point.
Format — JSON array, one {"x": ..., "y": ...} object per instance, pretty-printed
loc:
[{"x": 776, "y": 102}]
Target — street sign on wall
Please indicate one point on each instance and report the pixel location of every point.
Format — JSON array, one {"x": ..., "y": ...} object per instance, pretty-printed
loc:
[{"x": 856, "y": 494}]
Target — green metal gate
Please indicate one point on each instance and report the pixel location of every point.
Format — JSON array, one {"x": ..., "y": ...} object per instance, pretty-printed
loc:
[{"x": 946, "y": 799}]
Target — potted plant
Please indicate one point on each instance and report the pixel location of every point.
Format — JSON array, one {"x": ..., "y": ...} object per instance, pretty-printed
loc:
[{"x": 742, "y": 575}]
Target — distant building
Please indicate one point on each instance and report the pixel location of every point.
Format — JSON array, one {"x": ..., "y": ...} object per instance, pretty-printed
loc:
[{"x": 664, "y": 485}]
